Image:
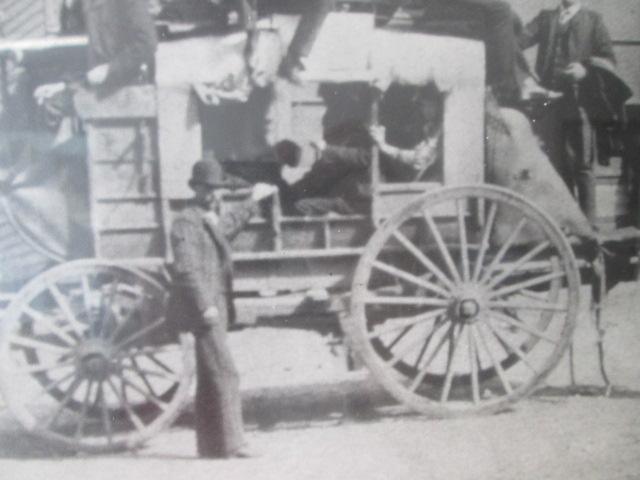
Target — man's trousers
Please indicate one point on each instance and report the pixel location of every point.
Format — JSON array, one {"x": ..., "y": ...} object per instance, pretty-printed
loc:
[
  {"x": 218, "y": 404},
  {"x": 570, "y": 142}
]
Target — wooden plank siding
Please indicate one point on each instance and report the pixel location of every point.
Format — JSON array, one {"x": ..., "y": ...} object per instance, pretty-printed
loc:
[{"x": 23, "y": 18}]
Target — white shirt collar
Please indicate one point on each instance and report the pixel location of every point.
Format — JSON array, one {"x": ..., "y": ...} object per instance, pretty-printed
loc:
[{"x": 566, "y": 14}]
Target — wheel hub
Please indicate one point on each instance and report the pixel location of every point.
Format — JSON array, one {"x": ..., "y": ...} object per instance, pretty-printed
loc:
[
  {"x": 467, "y": 305},
  {"x": 93, "y": 360},
  {"x": 468, "y": 308}
]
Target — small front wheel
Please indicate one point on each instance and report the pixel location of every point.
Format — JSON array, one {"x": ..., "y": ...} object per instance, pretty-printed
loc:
[{"x": 87, "y": 359}]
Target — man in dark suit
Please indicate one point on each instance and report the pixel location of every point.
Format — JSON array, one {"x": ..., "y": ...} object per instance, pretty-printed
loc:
[
  {"x": 201, "y": 302},
  {"x": 122, "y": 38},
  {"x": 570, "y": 39}
]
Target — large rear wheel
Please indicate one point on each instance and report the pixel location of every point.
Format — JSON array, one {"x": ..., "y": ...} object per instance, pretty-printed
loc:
[{"x": 464, "y": 300}]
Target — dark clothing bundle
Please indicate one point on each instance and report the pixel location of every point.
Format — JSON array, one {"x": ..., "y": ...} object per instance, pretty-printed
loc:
[{"x": 202, "y": 278}]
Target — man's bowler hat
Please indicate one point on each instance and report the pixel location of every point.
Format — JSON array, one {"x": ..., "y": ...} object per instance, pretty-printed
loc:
[{"x": 209, "y": 173}]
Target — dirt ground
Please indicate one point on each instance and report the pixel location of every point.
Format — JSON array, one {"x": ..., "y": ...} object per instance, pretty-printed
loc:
[{"x": 305, "y": 415}]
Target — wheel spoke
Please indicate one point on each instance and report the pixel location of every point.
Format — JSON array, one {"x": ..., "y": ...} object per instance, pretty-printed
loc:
[
  {"x": 150, "y": 350},
  {"x": 161, "y": 364},
  {"x": 516, "y": 287},
  {"x": 444, "y": 251},
  {"x": 64, "y": 305},
  {"x": 139, "y": 334},
  {"x": 517, "y": 265},
  {"x": 473, "y": 364},
  {"x": 404, "y": 351},
  {"x": 63, "y": 403},
  {"x": 523, "y": 326},
  {"x": 121, "y": 322},
  {"x": 428, "y": 264},
  {"x": 399, "y": 337},
  {"x": 107, "y": 297},
  {"x": 503, "y": 250},
  {"x": 106, "y": 418},
  {"x": 402, "y": 322},
  {"x": 44, "y": 368},
  {"x": 520, "y": 305},
  {"x": 453, "y": 342},
  {"x": 484, "y": 243},
  {"x": 49, "y": 323},
  {"x": 511, "y": 345},
  {"x": 146, "y": 372},
  {"x": 464, "y": 245},
  {"x": 391, "y": 270},
  {"x": 135, "y": 419},
  {"x": 51, "y": 386},
  {"x": 425, "y": 368},
  {"x": 142, "y": 375},
  {"x": 148, "y": 396},
  {"x": 477, "y": 332},
  {"x": 86, "y": 295},
  {"x": 83, "y": 412},
  {"x": 383, "y": 300},
  {"x": 439, "y": 322},
  {"x": 25, "y": 342}
]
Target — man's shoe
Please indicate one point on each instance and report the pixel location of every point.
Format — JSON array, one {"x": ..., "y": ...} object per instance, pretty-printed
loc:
[{"x": 243, "y": 452}]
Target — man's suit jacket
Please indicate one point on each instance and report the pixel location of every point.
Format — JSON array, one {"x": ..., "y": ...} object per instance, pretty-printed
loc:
[
  {"x": 588, "y": 39},
  {"x": 202, "y": 268},
  {"x": 121, "y": 34}
]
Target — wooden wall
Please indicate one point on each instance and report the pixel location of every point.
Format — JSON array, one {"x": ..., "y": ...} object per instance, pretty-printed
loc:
[{"x": 23, "y": 18}]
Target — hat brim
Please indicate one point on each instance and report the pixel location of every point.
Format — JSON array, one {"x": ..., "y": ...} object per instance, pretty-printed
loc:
[{"x": 193, "y": 182}]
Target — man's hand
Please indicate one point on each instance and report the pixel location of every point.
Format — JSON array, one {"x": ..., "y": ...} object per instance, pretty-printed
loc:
[
  {"x": 44, "y": 92},
  {"x": 576, "y": 71},
  {"x": 378, "y": 134},
  {"x": 262, "y": 190},
  {"x": 211, "y": 315},
  {"x": 318, "y": 145},
  {"x": 98, "y": 75}
]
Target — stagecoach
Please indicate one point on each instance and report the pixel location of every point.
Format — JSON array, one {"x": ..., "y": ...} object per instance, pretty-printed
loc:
[{"x": 459, "y": 296}]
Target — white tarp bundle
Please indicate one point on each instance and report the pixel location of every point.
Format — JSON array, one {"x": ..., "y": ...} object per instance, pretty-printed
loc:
[{"x": 349, "y": 47}]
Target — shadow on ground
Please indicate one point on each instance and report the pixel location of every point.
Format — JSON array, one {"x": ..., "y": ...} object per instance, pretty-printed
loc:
[{"x": 292, "y": 407}]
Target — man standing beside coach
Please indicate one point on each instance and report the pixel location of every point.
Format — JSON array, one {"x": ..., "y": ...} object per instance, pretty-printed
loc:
[{"x": 201, "y": 302}]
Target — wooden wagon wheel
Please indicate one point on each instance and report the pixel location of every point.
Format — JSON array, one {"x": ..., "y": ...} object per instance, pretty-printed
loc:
[
  {"x": 87, "y": 359},
  {"x": 486, "y": 306}
]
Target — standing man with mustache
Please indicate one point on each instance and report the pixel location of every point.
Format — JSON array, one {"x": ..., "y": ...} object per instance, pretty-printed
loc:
[{"x": 571, "y": 40}]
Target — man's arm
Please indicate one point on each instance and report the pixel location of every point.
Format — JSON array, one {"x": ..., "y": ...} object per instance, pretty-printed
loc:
[
  {"x": 186, "y": 265},
  {"x": 602, "y": 45},
  {"x": 141, "y": 39},
  {"x": 232, "y": 221}
]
